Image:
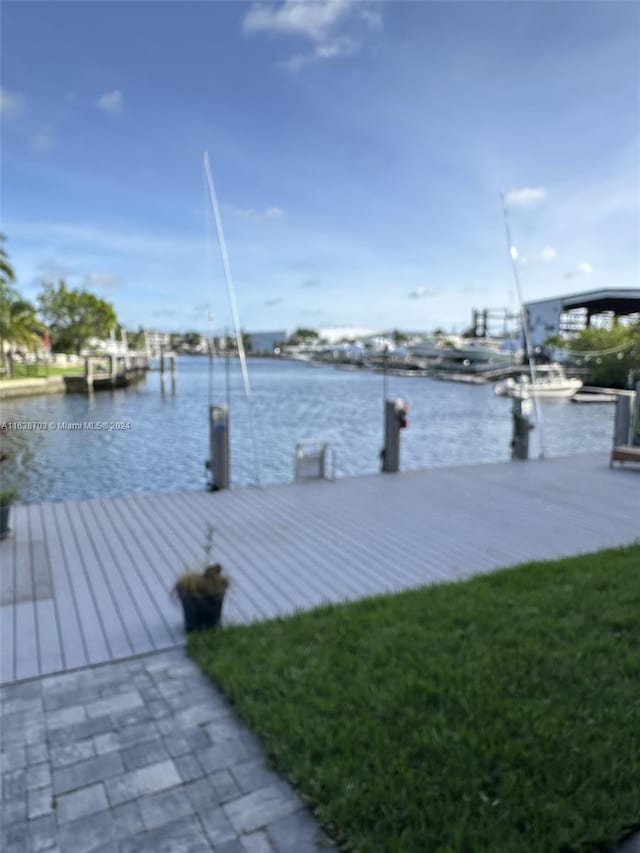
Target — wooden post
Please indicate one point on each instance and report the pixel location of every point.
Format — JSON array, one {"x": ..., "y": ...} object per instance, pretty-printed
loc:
[
  {"x": 521, "y": 428},
  {"x": 88, "y": 374},
  {"x": 395, "y": 412}
]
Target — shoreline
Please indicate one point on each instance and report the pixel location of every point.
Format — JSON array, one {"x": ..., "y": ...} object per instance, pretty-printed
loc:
[{"x": 10, "y": 388}]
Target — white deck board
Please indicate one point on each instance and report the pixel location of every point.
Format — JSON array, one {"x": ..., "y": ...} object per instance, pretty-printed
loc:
[
  {"x": 246, "y": 598},
  {"x": 7, "y": 612},
  {"x": 26, "y": 627},
  {"x": 73, "y": 651},
  {"x": 45, "y": 611},
  {"x": 131, "y": 620},
  {"x": 112, "y": 561},
  {"x": 152, "y": 628},
  {"x": 112, "y": 625},
  {"x": 191, "y": 534},
  {"x": 132, "y": 537},
  {"x": 90, "y": 611}
]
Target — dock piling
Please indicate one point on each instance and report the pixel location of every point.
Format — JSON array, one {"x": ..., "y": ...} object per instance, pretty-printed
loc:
[
  {"x": 395, "y": 419},
  {"x": 522, "y": 426},
  {"x": 218, "y": 463}
]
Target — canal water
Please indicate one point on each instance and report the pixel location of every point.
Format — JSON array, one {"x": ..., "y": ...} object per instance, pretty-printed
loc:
[{"x": 146, "y": 439}]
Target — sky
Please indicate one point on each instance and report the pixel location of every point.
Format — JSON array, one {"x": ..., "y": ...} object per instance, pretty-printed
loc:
[{"x": 358, "y": 151}]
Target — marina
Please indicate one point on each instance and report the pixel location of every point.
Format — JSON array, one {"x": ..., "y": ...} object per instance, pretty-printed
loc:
[{"x": 86, "y": 582}]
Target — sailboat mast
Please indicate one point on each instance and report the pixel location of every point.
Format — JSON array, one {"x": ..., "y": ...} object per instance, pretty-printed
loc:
[
  {"x": 232, "y": 303},
  {"x": 513, "y": 254}
]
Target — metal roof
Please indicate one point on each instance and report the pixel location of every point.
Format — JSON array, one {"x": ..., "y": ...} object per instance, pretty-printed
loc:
[{"x": 623, "y": 300}]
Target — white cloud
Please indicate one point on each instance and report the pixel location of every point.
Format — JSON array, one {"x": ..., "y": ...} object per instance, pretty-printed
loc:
[
  {"x": 525, "y": 196},
  {"x": 41, "y": 142},
  {"x": 421, "y": 293},
  {"x": 544, "y": 256},
  {"x": 320, "y": 21},
  {"x": 342, "y": 46},
  {"x": 313, "y": 20},
  {"x": 270, "y": 303},
  {"x": 102, "y": 280},
  {"x": 66, "y": 237},
  {"x": 272, "y": 214},
  {"x": 583, "y": 268},
  {"x": 111, "y": 103},
  {"x": 11, "y": 103}
]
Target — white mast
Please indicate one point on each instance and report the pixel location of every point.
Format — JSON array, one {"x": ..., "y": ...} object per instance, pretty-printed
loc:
[
  {"x": 513, "y": 254},
  {"x": 233, "y": 305}
]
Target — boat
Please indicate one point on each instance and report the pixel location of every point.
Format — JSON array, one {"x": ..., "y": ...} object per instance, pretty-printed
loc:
[
  {"x": 592, "y": 397},
  {"x": 551, "y": 382},
  {"x": 483, "y": 352}
]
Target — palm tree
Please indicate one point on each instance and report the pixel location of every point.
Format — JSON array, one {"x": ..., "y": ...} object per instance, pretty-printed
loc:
[{"x": 18, "y": 323}]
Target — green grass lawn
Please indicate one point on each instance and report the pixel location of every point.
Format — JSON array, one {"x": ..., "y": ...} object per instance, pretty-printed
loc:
[
  {"x": 35, "y": 371},
  {"x": 498, "y": 714}
]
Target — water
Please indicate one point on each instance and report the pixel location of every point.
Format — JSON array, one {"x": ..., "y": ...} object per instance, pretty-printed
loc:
[{"x": 167, "y": 443}]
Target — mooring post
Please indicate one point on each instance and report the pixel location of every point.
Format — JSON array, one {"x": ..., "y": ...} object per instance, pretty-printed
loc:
[
  {"x": 522, "y": 426},
  {"x": 218, "y": 463},
  {"x": 88, "y": 374},
  {"x": 395, "y": 419},
  {"x": 622, "y": 425}
]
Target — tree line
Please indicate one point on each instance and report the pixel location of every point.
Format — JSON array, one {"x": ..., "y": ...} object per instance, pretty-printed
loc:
[{"x": 68, "y": 316}]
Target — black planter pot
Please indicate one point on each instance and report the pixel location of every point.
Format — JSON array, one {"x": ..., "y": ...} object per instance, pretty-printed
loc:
[
  {"x": 201, "y": 611},
  {"x": 4, "y": 520}
]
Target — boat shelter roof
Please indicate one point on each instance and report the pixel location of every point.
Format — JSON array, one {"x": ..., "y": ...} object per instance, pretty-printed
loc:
[{"x": 624, "y": 300}]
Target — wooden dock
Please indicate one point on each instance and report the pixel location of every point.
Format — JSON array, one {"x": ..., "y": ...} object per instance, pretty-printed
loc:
[
  {"x": 85, "y": 582},
  {"x": 120, "y": 372}
]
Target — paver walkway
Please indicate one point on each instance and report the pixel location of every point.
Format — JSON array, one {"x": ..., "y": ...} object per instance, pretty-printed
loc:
[{"x": 140, "y": 755}]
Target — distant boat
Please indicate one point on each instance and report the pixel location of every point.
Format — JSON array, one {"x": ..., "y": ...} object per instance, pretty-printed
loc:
[
  {"x": 551, "y": 383},
  {"x": 480, "y": 353}
]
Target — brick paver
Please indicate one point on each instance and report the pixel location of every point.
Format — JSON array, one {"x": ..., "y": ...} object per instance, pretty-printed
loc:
[{"x": 135, "y": 756}]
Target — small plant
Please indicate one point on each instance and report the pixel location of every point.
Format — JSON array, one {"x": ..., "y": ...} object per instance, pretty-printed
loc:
[
  {"x": 212, "y": 581},
  {"x": 8, "y": 496},
  {"x": 201, "y": 593}
]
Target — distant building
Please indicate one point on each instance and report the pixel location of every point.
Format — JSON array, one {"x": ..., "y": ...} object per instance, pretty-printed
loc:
[
  {"x": 336, "y": 334},
  {"x": 577, "y": 311},
  {"x": 156, "y": 342},
  {"x": 265, "y": 343}
]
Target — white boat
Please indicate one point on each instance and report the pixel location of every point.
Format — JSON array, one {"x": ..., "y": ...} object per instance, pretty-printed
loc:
[
  {"x": 551, "y": 382},
  {"x": 591, "y": 397}
]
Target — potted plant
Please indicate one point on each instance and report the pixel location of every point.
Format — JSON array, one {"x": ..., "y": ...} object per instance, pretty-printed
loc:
[
  {"x": 202, "y": 593},
  {"x": 7, "y": 497}
]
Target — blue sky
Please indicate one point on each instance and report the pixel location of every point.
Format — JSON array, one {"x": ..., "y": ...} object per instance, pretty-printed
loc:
[{"x": 358, "y": 151}]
